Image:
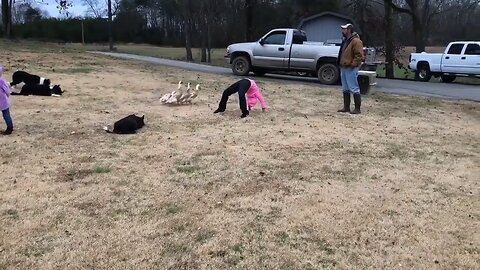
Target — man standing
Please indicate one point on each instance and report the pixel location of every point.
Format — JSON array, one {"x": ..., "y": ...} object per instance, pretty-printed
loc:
[{"x": 349, "y": 60}]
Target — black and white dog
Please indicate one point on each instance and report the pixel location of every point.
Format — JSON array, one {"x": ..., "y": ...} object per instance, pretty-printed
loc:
[
  {"x": 40, "y": 90},
  {"x": 27, "y": 78},
  {"x": 126, "y": 125}
]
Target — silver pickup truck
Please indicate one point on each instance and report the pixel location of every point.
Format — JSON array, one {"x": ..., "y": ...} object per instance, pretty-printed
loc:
[{"x": 288, "y": 50}]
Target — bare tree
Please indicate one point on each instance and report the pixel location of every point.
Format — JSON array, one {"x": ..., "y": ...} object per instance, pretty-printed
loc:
[
  {"x": 99, "y": 8},
  {"x": 421, "y": 12}
]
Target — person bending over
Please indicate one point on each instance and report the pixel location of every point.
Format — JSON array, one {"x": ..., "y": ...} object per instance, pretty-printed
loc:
[{"x": 248, "y": 94}]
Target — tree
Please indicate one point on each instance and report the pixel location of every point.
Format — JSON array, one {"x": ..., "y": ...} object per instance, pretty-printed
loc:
[
  {"x": 389, "y": 46},
  {"x": 7, "y": 18},
  {"x": 63, "y": 5},
  {"x": 99, "y": 8},
  {"x": 421, "y": 12},
  {"x": 249, "y": 7}
]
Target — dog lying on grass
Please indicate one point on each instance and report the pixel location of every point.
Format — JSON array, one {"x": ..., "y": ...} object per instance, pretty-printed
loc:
[
  {"x": 126, "y": 125},
  {"x": 40, "y": 90}
]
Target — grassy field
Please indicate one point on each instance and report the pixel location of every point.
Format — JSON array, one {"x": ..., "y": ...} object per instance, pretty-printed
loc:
[
  {"x": 174, "y": 53},
  {"x": 297, "y": 187}
]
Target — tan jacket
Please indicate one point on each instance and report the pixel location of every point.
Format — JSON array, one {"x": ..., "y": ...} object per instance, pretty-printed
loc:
[{"x": 352, "y": 54}]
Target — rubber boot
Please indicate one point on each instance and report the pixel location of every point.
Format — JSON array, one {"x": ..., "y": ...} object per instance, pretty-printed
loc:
[
  {"x": 346, "y": 103},
  {"x": 357, "y": 98}
]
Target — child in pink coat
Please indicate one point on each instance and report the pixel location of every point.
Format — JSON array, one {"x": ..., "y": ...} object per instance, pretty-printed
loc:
[
  {"x": 5, "y": 103},
  {"x": 248, "y": 94}
]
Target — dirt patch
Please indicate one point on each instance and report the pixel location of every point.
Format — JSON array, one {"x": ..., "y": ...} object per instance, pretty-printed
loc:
[{"x": 298, "y": 187}]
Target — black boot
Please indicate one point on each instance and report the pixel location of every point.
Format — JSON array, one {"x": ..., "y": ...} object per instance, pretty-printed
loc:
[
  {"x": 8, "y": 131},
  {"x": 218, "y": 110},
  {"x": 358, "y": 102},
  {"x": 346, "y": 103},
  {"x": 244, "y": 114}
]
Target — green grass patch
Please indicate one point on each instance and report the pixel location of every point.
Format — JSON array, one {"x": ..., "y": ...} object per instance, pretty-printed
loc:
[
  {"x": 75, "y": 70},
  {"x": 101, "y": 169},
  {"x": 12, "y": 213},
  {"x": 204, "y": 236},
  {"x": 173, "y": 208}
]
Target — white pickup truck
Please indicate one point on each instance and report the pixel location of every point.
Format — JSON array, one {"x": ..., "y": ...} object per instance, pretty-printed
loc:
[
  {"x": 287, "y": 50},
  {"x": 461, "y": 58}
]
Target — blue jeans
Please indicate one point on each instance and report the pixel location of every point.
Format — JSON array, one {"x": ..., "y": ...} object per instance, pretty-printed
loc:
[
  {"x": 7, "y": 118},
  {"x": 348, "y": 77}
]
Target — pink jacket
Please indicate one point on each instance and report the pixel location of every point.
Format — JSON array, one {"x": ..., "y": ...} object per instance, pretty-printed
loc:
[{"x": 253, "y": 95}]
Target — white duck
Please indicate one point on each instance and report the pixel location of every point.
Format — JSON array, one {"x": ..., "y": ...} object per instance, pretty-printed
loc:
[
  {"x": 168, "y": 98},
  {"x": 185, "y": 96}
]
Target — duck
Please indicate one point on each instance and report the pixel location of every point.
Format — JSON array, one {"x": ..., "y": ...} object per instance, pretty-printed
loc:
[
  {"x": 185, "y": 96},
  {"x": 167, "y": 98}
]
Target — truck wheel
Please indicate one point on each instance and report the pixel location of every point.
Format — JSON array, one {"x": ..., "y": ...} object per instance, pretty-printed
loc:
[
  {"x": 447, "y": 78},
  {"x": 241, "y": 66},
  {"x": 423, "y": 73},
  {"x": 328, "y": 73}
]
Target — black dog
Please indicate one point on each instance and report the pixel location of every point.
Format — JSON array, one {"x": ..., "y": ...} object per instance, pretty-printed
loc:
[
  {"x": 40, "y": 90},
  {"x": 127, "y": 125},
  {"x": 27, "y": 78}
]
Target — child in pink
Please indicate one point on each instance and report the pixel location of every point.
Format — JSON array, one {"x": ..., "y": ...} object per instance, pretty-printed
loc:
[
  {"x": 5, "y": 103},
  {"x": 248, "y": 94}
]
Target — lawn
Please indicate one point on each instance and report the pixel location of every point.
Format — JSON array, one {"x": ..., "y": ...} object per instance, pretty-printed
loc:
[{"x": 297, "y": 187}]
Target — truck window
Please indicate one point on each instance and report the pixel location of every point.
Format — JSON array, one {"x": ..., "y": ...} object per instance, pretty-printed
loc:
[
  {"x": 456, "y": 48},
  {"x": 298, "y": 38},
  {"x": 473, "y": 49},
  {"x": 276, "y": 38}
]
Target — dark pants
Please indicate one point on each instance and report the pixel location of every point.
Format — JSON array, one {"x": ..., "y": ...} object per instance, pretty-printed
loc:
[
  {"x": 241, "y": 87},
  {"x": 7, "y": 118}
]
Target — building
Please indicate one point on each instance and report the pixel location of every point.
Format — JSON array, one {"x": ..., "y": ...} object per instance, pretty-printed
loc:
[{"x": 325, "y": 27}]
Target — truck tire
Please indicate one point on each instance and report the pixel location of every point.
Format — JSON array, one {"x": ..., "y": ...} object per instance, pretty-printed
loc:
[
  {"x": 241, "y": 66},
  {"x": 328, "y": 73},
  {"x": 447, "y": 78},
  {"x": 423, "y": 73}
]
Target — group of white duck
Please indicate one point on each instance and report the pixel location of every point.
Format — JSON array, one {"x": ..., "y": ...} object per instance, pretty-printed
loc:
[{"x": 179, "y": 97}]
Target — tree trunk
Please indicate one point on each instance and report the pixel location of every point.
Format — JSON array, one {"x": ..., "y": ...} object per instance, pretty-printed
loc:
[
  {"x": 110, "y": 26},
  {"x": 209, "y": 42},
  {"x": 389, "y": 47},
  {"x": 188, "y": 43},
  {"x": 248, "y": 19},
  {"x": 7, "y": 18},
  {"x": 203, "y": 57},
  {"x": 419, "y": 30},
  {"x": 203, "y": 33}
]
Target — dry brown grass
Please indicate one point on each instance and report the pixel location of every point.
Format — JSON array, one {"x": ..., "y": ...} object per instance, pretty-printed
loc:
[{"x": 298, "y": 187}]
